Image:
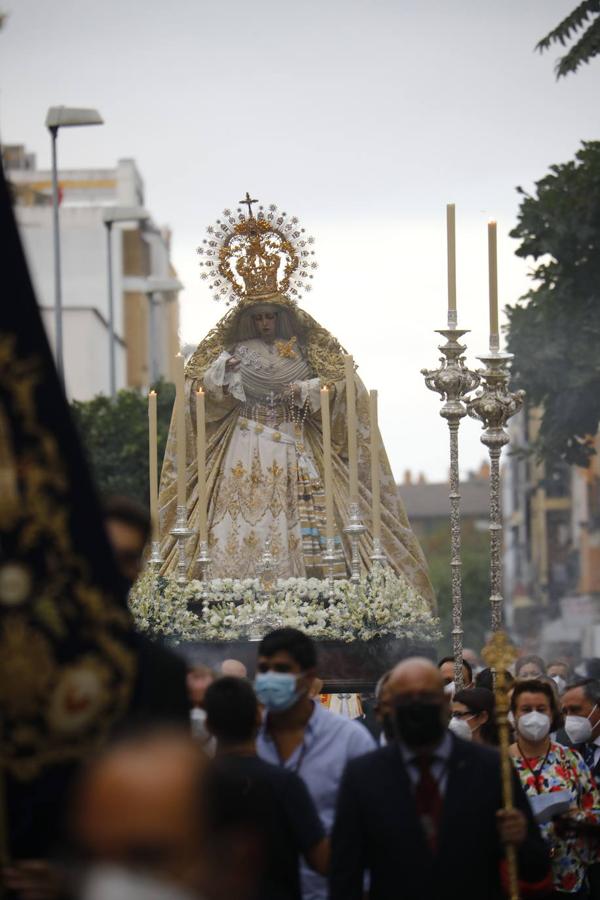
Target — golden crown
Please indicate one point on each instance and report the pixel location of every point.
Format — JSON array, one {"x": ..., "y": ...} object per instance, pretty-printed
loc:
[{"x": 257, "y": 257}]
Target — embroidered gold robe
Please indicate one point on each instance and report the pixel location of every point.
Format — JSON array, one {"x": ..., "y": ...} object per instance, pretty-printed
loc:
[{"x": 265, "y": 456}]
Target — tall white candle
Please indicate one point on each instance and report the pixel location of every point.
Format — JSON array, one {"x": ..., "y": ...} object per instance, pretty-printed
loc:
[
  {"x": 493, "y": 277},
  {"x": 153, "y": 462},
  {"x": 352, "y": 428},
  {"x": 201, "y": 451},
  {"x": 180, "y": 428},
  {"x": 451, "y": 234},
  {"x": 375, "y": 475},
  {"x": 327, "y": 463}
]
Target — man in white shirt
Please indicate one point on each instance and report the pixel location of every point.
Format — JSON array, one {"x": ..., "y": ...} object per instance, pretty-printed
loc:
[{"x": 299, "y": 734}]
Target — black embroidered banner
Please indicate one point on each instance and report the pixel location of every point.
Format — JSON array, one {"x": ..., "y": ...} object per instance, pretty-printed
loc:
[{"x": 67, "y": 662}]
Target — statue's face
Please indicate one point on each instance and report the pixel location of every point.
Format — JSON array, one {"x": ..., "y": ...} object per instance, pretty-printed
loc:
[{"x": 265, "y": 324}]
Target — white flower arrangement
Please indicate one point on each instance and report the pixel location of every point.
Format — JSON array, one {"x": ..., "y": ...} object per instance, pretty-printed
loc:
[{"x": 382, "y": 605}]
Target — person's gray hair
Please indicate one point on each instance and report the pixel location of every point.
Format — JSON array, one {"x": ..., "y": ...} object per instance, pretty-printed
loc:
[{"x": 591, "y": 689}]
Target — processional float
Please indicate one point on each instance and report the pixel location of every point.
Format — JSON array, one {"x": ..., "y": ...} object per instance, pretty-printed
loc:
[{"x": 361, "y": 540}]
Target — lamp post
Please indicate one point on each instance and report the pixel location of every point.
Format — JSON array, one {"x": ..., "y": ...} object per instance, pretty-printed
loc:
[
  {"x": 110, "y": 216},
  {"x": 62, "y": 117}
]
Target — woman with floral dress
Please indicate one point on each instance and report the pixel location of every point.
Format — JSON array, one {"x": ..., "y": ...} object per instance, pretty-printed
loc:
[{"x": 544, "y": 767}]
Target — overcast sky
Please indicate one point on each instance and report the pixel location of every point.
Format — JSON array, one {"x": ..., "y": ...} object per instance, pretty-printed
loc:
[{"x": 362, "y": 118}]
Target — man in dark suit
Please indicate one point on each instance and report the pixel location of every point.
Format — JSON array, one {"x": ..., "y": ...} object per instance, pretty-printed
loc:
[
  {"x": 423, "y": 815},
  {"x": 580, "y": 705}
]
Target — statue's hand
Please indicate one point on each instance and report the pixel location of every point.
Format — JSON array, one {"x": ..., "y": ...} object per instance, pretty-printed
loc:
[{"x": 233, "y": 364}]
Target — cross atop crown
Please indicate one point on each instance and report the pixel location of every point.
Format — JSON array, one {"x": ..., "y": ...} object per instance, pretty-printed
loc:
[{"x": 248, "y": 202}]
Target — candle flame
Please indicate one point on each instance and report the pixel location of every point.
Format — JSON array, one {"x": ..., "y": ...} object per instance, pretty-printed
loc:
[
  {"x": 491, "y": 221},
  {"x": 200, "y": 391},
  {"x": 152, "y": 394}
]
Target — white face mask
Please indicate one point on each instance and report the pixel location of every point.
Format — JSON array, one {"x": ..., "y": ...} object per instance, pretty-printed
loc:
[
  {"x": 510, "y": 718},
  {"x": 534, "y": 725},
  {"x": 560, "y": 683},
  {"x": 460, "y": 727},
  {"x": 449, "y": 689},
  {"x": 106, "y": 882},
  {"x": 579, "y": 728}
]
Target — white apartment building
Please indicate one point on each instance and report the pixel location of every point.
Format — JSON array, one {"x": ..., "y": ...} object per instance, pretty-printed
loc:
[{"x": 145, "y": 288}]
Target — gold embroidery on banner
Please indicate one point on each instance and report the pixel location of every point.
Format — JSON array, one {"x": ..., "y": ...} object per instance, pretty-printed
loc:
[
  {"x": 53, "y": 598},
  {"x": 27, "y": 667}
]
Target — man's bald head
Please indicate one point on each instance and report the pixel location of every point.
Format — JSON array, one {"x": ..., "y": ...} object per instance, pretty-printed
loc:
[
  {"x": 141, "y": 804},
  {"x": 415, "y": 676},
  {"x": 234, "y": 668}
]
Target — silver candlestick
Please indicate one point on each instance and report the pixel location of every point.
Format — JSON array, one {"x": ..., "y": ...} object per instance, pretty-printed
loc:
[
  {"x": 453, "y": 381},
  {"x": 494, "y": 405},
  {"x": 354, "y": 530},
  {"x": 330, "y": 558},
  {"x": 204, "y": 561},
  {"x": 267, "y": 569},
  {"x": 181, "y": 532},
  {"x": 378, "y": 556},
  {"x": 155, "y": 560}
]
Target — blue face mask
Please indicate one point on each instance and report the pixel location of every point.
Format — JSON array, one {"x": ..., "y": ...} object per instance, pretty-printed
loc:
[{"x": 276, "y": 691}]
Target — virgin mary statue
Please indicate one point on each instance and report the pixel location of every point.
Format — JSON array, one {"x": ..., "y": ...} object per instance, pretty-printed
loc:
[{"x": 262, "y": 368}]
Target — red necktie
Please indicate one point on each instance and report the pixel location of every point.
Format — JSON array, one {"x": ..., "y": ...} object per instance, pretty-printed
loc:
[{"x": 428, "y": 801}]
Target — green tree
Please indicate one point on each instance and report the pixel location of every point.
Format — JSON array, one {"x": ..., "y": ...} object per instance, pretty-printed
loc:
[
  {"x": 584, "y": 24},
  {"x": 115, "y": 437},
  {"x": 475, "y": 580},
  {"x": 554, "y": 330}
]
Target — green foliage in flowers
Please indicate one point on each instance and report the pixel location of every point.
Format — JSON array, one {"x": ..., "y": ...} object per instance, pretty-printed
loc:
[
  {"x": 115, "y": 437},
  {"x": 383, "y": 605}
]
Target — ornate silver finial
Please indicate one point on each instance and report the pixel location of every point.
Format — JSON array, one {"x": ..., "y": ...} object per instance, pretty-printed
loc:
[
  {"x": 267, "y": 568},
  {"x": 494, "y": 405},
  {"x": 453, "y": 381}
]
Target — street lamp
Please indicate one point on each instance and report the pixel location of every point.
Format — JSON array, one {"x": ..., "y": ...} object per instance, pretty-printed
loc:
[
  {"x": 156, "y": 286},
  {"x": 62, "y": 117},
  {"x": 110, "y": 216}
]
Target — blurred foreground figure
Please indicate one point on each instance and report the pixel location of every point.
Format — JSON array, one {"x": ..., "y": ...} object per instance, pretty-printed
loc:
[
  {"x": 68, "y": 657},
  {"x": 404, "y": 810},
  {"x": 267, "y": 799},
  {"x": 141, "y": 823}
]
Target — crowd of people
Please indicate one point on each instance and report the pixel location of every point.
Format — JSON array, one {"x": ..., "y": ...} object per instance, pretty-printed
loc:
[
  {"x": 225, "y": 784},
  {"x": 262, "y": 792}
]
